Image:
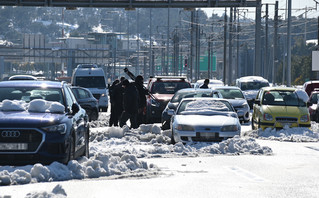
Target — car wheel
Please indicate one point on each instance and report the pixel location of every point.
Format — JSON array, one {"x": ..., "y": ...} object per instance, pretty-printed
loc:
[
  {"x": 94, "y": 116},
  {"x": 71, "y": 148},
  {"x": 87, "y": 148},
  {"x": 172, "y": 138},
  {"x": 253, "y": 124}
]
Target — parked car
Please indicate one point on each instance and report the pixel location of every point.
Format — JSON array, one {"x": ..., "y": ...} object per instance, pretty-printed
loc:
[
  {"x": 310, "y": 86},
  {"x": 22, "y": 77},
  {"x": 162, "y": 88},
  {"x": 212, "y": 83},
  {"x": 204, "y": 119},
  {"x": 313, "y": 100},
  {"x": 87, "y": 101},
  {"x": 41, "y": 122},
  {"x": 93, "y": 78},
  {"x": 236, "y": 97},
  {"x": 279, "y": 107},
  {"x": 185, "y": 93},
  {"x": 250, "y": 86}
]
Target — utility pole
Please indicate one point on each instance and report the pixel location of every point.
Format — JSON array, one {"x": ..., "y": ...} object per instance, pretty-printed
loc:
[
  {"x": 289, "y": 45},
  {"x": 192, "y": 46},
  {"x": 151, "y": 71},
  {"x": 266, "y": 65},
  {"x": 225, "y": 47},
  {"x": 256, "y": 70},
  {"x": 138, "y": 43},
  {"x": 230, "y": 48},
  {"x": 167, "y": 42},
  {"x": 238, "y": 30},
  {"x": 275, "y": 43}
]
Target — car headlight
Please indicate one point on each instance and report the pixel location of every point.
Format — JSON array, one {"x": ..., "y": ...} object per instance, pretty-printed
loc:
[
  {"x": 230, "y": 128},
  {"x": 268, "y": 117},
  {"x": 61, "y": 128},
  {"x": 182, "y": 127},
  {"x": 304, "y": 118}
]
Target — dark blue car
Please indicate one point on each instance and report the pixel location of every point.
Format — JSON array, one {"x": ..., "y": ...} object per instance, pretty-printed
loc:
[{"x": 41, "y": 121}]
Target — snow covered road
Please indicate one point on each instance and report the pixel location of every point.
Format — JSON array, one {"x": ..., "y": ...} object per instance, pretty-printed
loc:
[{"x": 143, "y": 164}]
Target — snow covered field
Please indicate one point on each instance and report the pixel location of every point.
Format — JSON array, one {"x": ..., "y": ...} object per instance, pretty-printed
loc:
[{"x": 126, "y": 163}]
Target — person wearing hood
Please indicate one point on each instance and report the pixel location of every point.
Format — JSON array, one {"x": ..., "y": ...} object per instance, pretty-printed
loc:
[{"x": 130, "y": 104}]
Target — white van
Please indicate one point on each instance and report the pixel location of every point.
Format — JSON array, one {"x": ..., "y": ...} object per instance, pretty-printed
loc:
[
  {"x": 92, "y": 78},
  {"x": 250, "y": 86}
]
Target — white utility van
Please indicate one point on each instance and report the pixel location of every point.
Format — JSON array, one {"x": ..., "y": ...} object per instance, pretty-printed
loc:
[
  {"x": 92, "y": 78},
  {"x": 250, "y": 86}
]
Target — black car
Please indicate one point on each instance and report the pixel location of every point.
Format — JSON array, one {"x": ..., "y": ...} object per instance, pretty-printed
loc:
[
  {"x": 87, "y": 102},
  {"x": 41, "y": 122}
]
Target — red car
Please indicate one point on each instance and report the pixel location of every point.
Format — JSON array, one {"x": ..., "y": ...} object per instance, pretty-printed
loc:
[
  {"x": 162, "y": 88},
  {"x": 313, "y": 99}
]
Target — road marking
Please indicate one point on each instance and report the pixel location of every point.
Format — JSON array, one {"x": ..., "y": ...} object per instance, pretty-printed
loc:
[
  {"x": 246, "y": 174},
  {"x": 313, "y": 148}
]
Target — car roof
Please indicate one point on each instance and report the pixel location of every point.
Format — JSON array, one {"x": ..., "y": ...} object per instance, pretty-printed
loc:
[
  {"x": 251, "y": 79},
  {"x": 22, "y": 77},
  {"x": 279, "y": 88},
  {"x": 31, "y": 83},
  {"x": 226, "y": 87}
]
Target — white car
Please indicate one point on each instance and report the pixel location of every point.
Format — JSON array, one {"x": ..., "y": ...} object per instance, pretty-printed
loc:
[{"x": 204, "y": 120}]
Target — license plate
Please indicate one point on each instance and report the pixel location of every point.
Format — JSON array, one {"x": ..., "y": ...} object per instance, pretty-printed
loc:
[
  {"x": 13, "y": 146},
  {"x": 208, "y": 135}
]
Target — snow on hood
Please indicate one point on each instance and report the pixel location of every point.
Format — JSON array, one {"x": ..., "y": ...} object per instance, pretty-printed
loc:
[
  {"x": 207, "y": 120},
  {"x": 37, "y": 105}
]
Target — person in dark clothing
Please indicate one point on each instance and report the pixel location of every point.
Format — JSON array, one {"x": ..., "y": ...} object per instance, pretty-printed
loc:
[
  {"x": 130, "y": 104},
  {"x": 111, "y": 94},
  {"x": 142, "y": 99},
  {"x": 205, "y": 85},
  {"x": 117, "y": 98}
]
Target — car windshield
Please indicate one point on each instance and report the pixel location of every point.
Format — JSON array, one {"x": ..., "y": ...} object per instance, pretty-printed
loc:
[
  {"x": 256, "y": 85},
  {"x": 28, "y": 94},
  {"x": 231, "y": 93},
  {"x": 282, "y": 98},
  {"x": 203, "y": 107},
  {"x": 168, "y": 87},
  {"x": 193, "y": 94},
  {"x": 91, "y": 81}
]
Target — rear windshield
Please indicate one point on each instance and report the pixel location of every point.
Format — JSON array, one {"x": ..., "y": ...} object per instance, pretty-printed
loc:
[
  {"x": 90, "y": 81},
  {"x": 168, "y": 87},
  {"x": 256, "y": 85},
  {"x": 179, "y": 96}
]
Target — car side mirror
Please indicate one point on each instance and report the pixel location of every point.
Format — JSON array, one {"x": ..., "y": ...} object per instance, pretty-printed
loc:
[
  {"x": 171, "y": 106},
  {"x": 75, "y": 108},
  {"x": 170, "y": 112},
  {"x": 257, "y": 102}
]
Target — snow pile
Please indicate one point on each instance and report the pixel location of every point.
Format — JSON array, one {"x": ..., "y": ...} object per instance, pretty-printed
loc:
[
  {"x": 296, "y": 134},
  {"x": 101, "y": 164},
  {"x": 37, "y": 105},
  {"x": 57, "y": 192}
]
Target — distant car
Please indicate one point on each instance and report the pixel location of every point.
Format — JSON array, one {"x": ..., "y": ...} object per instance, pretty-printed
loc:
[
  {"x": 204, "y": 120},
  {"x": 279, "y": 107},
  {"x": 185, "y": 93},
  {"x": 41, "y": 122},
  {"x": 22, "y": 77},
  {"x": 87, "y": 102},
  {"x": 162, "y": 88},
  {"x": 250, "y": 86},
  {"x": 236, "y": 97},
  {"x": 212, "y": 83},
  {"x": 313, "y": 100}
]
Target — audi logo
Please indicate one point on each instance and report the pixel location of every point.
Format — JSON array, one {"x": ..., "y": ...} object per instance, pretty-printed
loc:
[{"x": 12, "y": 134}]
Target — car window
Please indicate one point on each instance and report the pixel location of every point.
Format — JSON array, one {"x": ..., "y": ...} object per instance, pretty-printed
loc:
[
  {"x": 69, "y": 97},
  {"x": 91, "y": 81},
  {"x": 231, "y": 93},
  {"x": 164, "y": 87},
  {"x": 282, "y": 98},
  {"x": 314, "y": 98},
  {"x": 28, "y": 94},
  {"x": 256, "y": 85},
  {"x": 80, "y": 93}
]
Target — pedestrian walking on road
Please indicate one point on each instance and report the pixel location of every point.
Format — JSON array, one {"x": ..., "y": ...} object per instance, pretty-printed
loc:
[
  {"x": 205, "y": 85},
  {"x": 142, "y": 92},
  {"x": 111, "y": 94},
  {"x": 117, "y": 101}
]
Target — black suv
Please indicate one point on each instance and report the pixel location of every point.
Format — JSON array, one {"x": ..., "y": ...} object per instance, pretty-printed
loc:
[
  {"x": 41, "y": 122},
  {"x": 162, "y": 88}
]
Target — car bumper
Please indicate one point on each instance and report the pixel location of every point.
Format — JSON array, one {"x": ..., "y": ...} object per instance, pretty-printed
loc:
[{"x": 280, "y": 125}]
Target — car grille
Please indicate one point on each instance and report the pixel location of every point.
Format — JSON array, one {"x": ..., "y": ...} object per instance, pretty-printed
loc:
[
  {"x": 286, "y": 119},
  {"x": 97, "y": 96},
  {"x": 31, "y": 137}
]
